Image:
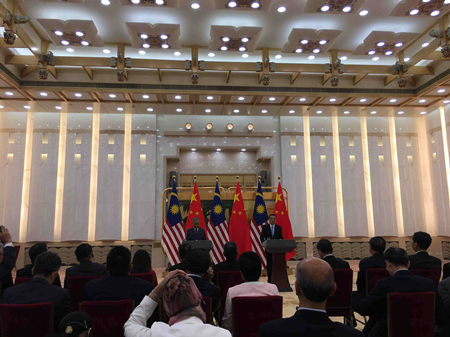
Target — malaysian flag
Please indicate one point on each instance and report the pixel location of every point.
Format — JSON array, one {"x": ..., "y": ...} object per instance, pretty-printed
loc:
[
  {"x": 259, "y": 219},
  {"x": 173, "y": 230},
  {"x": 217, "y": 228}
]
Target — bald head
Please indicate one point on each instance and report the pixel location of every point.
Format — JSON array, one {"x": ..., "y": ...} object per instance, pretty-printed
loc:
[{"x": 315, "y": 278}]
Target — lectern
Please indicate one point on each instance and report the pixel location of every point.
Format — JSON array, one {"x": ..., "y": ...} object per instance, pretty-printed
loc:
[
  {"x": 279, "y": 248},
  {"x": 201, "y": 244}
]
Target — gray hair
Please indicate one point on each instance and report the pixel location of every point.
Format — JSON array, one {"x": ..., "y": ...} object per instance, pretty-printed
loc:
[
  {"x": 196, "y": 219},
  {"x": 316, "y": 284}
]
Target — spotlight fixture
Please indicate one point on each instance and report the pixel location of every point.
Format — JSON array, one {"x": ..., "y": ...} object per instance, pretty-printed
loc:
[
  {"x": 292, "y": 111},
  {"x": 105, "y": 2},
  {"x": 322, "y": 42},
  {"x": 406, "y": 59},
  {"x": 145, "y": 45},
  {"x": 78, "y": 94},
  {"x": 346, "y": 9},
  {"x": 119, "y": 109},
  {"x": 145, "y": 96},
  {"x": 232, "y": 4},
  {"x": 389, "y": 52},
  {"x": 316, "y": 51},
  {"x": 44, "y": 94},
  {"x": 177, "y": 97},
  {"x": 302, "y": 99},
  {"x": 150, "y": 109},
  {"x": 401, "y": 112},
  {"x": 195, "y": 5},
  {"x": 325, "y": 8},
  {"x": 380, "y": 44},
  {"x": 255, "y": 5},
  {"x": 135, "y": 1},
  {"x": 230, "y": 127},
  {"x": 159, "y": 2},
  {"x": 319, "y": 112},
  {"x": 27, "y": 107},
  {"x": 399, "y": 44},
  {"x": 223, "y": 48},
  {"x": 242, "y": 49},
  {"x": 245, "y": 55},
  {"x": 393, "y": 100},
  {"x": 423, "y": 113},
  {"x": 373, "y": 112},
  {"x": 362, "y": 100},
  {"x": 250, "y": 127},
  {"x": 272, "y": 99},
  {"x": 346, "y": 112},
  {"x": 164, "y": 37},
  {"x": 64, "y": 42},
  {"x": 177, "y": 53},
  {"x": 209, "y": 126},
  {"x": 414, "y": 12},
  {"x": 188, "y": 126},
  {"x": 179, "y": 110},
  {"x": 245, "y": 39},
  {"x": 9, "y": 93},
  {"x": 426, "y": 44},
  {"x": 435, "y": 13},
  {"x": 241, "y": 98},
  {"x": 371, "y": 52},
  {"x": 364, "y": 12},
  {"x": 85, "y": 43},
  {"x": 80, "y": 34},
  {"x": 207, "y": 111},
  {"x": 144, "y": 36},
  {"x": 58, "y": 107},
  {"x": 164, "y": 46},
  {"x": 298, "y": 50},
  {"x": 263, "y": 111},
  {"x": 210, "y": 98},
  {"x": 112, "y": 95},
  {"x": 446, "y": 101},
  {"x": 281, "y": 9},
  {"x": 422, "y": 101},
  {"x": 89, "y": 108},
  {"x": 218, "y": 150},
  {"x": 332, "y": 99},
  {"x": 243, "y": 150},
  {"x": 193, "y": 149},
  {"x": 58, "y": 32},
  {"x": 441, "y": 91},
  {"x": 236, "y": 111},
  {"x": 225, "y": 39}
]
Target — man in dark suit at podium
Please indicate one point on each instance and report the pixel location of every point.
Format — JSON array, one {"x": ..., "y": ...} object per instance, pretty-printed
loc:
[
  {"x": 270, "y": 231},
  {"x": 195, "y": 233}
]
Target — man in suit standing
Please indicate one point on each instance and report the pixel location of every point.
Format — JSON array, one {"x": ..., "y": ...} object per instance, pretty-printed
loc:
[
  {"x": 377, "y": 245},
  {"x": 313, "y": 285},
  {"x": 195, "y": 233},
  {"x": 421, "y": 259},
  {"x": 325, "y": 250},
  {"x": 87, "y": 267},
  {"x": 271, "y": 231},
  {"x": 183, "y": 250},
  {"x": 40, "y": 288},
  {"x": 374, "y": 304}
]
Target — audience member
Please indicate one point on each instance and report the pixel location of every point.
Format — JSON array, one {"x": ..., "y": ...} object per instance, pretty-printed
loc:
[
  {"x": 197, "y": 264},
  {"x": 377, "y": 245},
  {"x": 314, "y": 284},
  {"x": 87, "y": 267},
  {"x": 443, "y": 315},
  {"x": 7, "y": 258},
  {"x": 182, "y": 303},
  {"x": 76, "y": 324},
  {"x": 119, "y": 285},
  {"x": 33, "y": 252},
  {"x": 401, "y": 280},
  {"x": 142, "y": 264},
  {"x": 250, "y": 266},
  {"x": 325, "y": 250},
  {"x": 230, "y": 264},
  {"x": 446, "y": 271},
  {"x": 40, "y": 288},
  {"x": 421, "y": 259},
  {"x": 183, "y": 250}
]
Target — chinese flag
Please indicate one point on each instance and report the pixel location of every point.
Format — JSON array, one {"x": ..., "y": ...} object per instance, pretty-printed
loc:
[
  {"x": 283, "y": 219},
  {"x": 238, "y": 228},
  {"x": 195, "y": 210}
]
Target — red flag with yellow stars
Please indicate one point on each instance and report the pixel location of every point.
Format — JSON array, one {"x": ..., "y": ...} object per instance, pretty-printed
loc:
[
  {"x": 283, "y": 219},
  {"x": 195, "y": 210},
  {"x": 238, "y": 228}
]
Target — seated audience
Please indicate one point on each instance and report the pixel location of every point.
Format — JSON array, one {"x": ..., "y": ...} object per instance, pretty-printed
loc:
[
  {"x": 182, "y": 302},
  {"x": 7, "y": 258},
  {"x": 230, "y": 264},
  {"x": 446, "y": 271},
  {"x": 87, "y": 267},
  {"x": 421, "y": 259},
  {"x": 183, "y": 250},
  {"x": 314, "y": 283},
  {"x": 76, "y": 324},
  {"x": 325, "y": 250},
  {"x": 197, "y": 264},
  {"x": 119, "y": 285},
  {"x": 40, "y": 288},
  {"x": 401, "y": 280},
  {"x": 250, "y": 266},
  {"x": 377, "y": 245},
  {"x": 443, "y": 315},
  {"x": 142, "y": 264},
  {"x": 33, "y": 252}
]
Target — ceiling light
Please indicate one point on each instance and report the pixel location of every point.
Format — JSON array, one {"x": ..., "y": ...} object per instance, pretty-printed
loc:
[
  {"x": 85, "y": 43},
  {"x": 332, "y": 99},
  {"x": 225, "y": 39},
  {"x": 112, "y": 95},
  {"x": 380, "y": 44},
  {"x": 316, "y": 51},
  {"x": 245, "y": 55},
  {"x": 371, "y": 52},
  {"x": 304, "y": 42},
  {"x": 362, "y": 100},
  {"x": 311, "y": 57},
  {"x": 399, "y": 44},
  {"x": 218, "y": 150},
  {"x": 446, "y": 2},
  {"x": 346, "y": 9},
  {"x": 34, "y": 48},
  {"x": 232, "y": 4},
  {"x": 422, "y": 101},
  {"x": 145, "y": 96},
  {"x": 325, "y": 8},
  {"x": 241, "y": 98},
  {"x": 446, "y": 101},
  {"x": 193, "y": 150},
  {"x": 105, "y": 2},
  {"x": 79, "y": 33},
  {"x": 292, "y": 111},
  {"x": 414, "y": 12},
  {"x": 144, "y": 36},
  {"x": 188, "y": 126},
  {"x": 393, "y": 100},
  {"x": 319, "y": 111},
  {"x": 423, "y": 113},
  {"x": 263, "y": 111},
  {"x": 210, "y": 97},
  {"x": 243, "y": 150},
  {"x": 70, "y": 50},
  {"x": 43, "y": 94},
  {"x": 209, "y": 127},
  {"x": 272, "y": 99},
  {"x": 164, "y": 46},
  {"x": 250, "y": 127},
  {"x": 373, "y": 112},
  {"x": 58, "y": 32},
  {"x": 27, "y": 107},
  {"x": 242, "y": 49},
  {"x": 298, "y": 50},
  {"x": 149, "y": 109},
  {"x": 106, "y": 51},
  {"x": 1, "y": 107},
  {"x": 441, "y": 90},
  {"x": 364, "y": 12},
  {"x": 58, "y": 107},
  {"x": 211, "y": 54},
  {"x": 255, "y": 4},
  {"x": 236, "y": 111},
  {"x": 302, "y": 99},
  {"x": 146, "y": 45},
  {"x": 278, "y": 56},
  {"x": 89, "y": 108},
  {"x": 389, "y": 52},
  {"x": 376, "y": 58},
  {"x": 9, "y": 93},
  {"x": 223, "y": 48},
  {"x": 435, "y": 13},
  {"x": 64, "y": 42},
  {"x": 119, "y": 109},
  {"x": 135, "y": 1},
  {"x": 195, "y": 5},
  {"x": 426, "y": 44},
  {"x": 244, "y": 39},
  {"x": 179, "y": 110},
  {"x": 142, "y": 52},
  {"x": 208, "y": 111},
  {"x": 163, "y": 36},
  {"x": 230, "y": 126},
  {"x": 401, "y": 112},
  {"x": 322, "y": 42},
  {"x": 78, "y": 94},
  {"x": 343, "y": 58},
  {"x": 406, "y": 59},
  {"x": 346, "y": 112},
  {"x": 281, "y": 9},
  {"x": 177, "y": 97}
]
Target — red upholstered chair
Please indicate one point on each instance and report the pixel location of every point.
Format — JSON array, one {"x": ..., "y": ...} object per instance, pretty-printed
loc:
[
  {"x": 248, "y": 313},
  {"x": 26, "y": 319},
  {"x": 372, "y": 277},
  {"x": 20, "y": 280},
  {"x": 108, "y": 317},
  {"x": 207, "y": 309},
  {"x": 150, "y": 277},
  {"x": 226, "y": 280},
  {"x": 76, "y": 289},
  {"x": 340, "y": 304},
  {"x": 411, "y": 314},
  {"x": 432, "y": 274}
]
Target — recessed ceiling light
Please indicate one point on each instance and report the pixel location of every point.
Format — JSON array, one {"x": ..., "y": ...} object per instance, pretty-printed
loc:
[
  {"x": 322, "y": 42},
  {"x": 85, "y": 43},
  {"x": 446, "y": 101},
  {"x": 195, "y": 5},
  {"x": 164, "y": 46},
  {"x": 245, "y": 39},
  {"x": 263, "y": 111},
  {"x": 78, "y": 94},
  {"x": 179, "y": 110},
  {"x": 207, "y": 110},
  {"x": 58, "y": 107},
  {"x": 393, "y": 100},
  {"x": 106, "y": 51},
  {"x": 281, "y": 9},
  {"x": 177, "y": 53},
  {"x": 298, "y": 50},
  {"x": 235, "y": 111},
  {"x": 43, "y": 94},
  {"x": 372, "y": 52},
  {"x": 145, "y": 96},
  {"x": 278, "y": 56},
  {"x": 218, "y": 150},
  {"x": 210, "y": 97},
  {"x": 58, "y": 32},
  {"x": 311, "y": 57},
  {"x": 373, "y": 112},
  {"x": 245, "y": 55},
  {"x": 105, "y": 2},
  {"x": 9, "y": 93},
  {"x": 241, "y": 98},
  {"x": 346, "y": 112},
  {"x": 399, "y": 44},
  {"x": 150, "y": 109},
  {"x": 332, "y": 99},
  {"x": 319, "y": 111},
  {"x": 142, "y": 52},
  {"x": 414, "y": 12},
  {"x": 362, "y": 100},
  {"x": 146, "y": 45},
  {"x": 193, "y": 149},
  {"x": 135, "y": 1},
  {"x": 223, "y": 48},
  {"x": 119, "y": 109},
  {"x": 325, "y": 8},
  {"x": 1, "y": 107},
  {"x": 232, "y": 4},
  {"x": 422, "y": 101},
  {"x": 346, "y": 9},
  {"x": 112, "y": 95},
  {"x": 343, "y": 58},
  {"x": 380, "y": 44},
  {"x": 426, "y": 44},
  {"x": 79, "y": 33},
  {"x": 242, "y": 49},
  {"x": 27, "y": 107},
  {"x": 316, "y": 51},
  {"x": 144, "y": 36},
  {"x": 376, "y": 58},
  {"x": 272, "y": 99},
  {"x": 211, "y": 54},
  {"x": 423, "y": 113},
  {"x": 225, "y": 39},
  {"x": 159, "y": 2},
  {"x": 255, "y": 4},
  {"x": 435, "y": 13},
  {"x": 441, "y": 90},
  {"x": 163, "y": 36},
  {"x": 292, "y": 111},
  {"x": 364, "y": 12},
  {"x": 89, "y": 108},
  {"x": 177, "y": 97},
  {"x": 304, "y": 42},
  {"x": 407, "y": 59},
  {"x": 243, "y": 150},
  {"x": 401, "y": 112},
  {"x": 64, "y": 42},
  {"x": 389, "y": 52}
]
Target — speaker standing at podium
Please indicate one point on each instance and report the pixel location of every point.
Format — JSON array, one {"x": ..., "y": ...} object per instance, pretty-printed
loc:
[
  {"x": 195, "y": 233},
  {"x": 271, "y": 231}
]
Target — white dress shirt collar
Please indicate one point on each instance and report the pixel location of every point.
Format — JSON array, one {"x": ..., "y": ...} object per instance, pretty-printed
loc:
[{"x": 309, "y": 309}]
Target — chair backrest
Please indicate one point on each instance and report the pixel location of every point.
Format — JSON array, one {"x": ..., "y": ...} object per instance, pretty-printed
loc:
[
  {"x": 372, "y": 277},
  {"x": 26, "y": 319},
  {"x": 108, "y": 317},
  {"x": 21, "y": 280},
  {"x": 76, "y": 289},
  {"x": 340, "y": 303},
  {"x": 226, "y": 280},
  {"x": 411, "y": 314},
  {"x": 207, "y": 309},
  {"x": 432, "y": 274},
  {"x": 249, "y": 313},
  {"x": 150, "y": 277}
]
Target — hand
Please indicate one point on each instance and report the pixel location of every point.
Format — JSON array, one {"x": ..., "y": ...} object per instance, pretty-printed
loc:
[
  {"x": 158, "y": 291},
  {"x": 5, "y": 236},
  {"x": 209, "y": 275}
]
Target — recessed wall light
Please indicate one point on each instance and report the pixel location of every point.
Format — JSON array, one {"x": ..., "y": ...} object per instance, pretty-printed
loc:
[
  {"x": 106, "y": 51},
  {"x": 177, "y": 53},
  {"x": 281, "y": 9},
  {"x": 211, "y": 54},
  {"x": 364, "y": 12},
  {"x": 278, "y": 56},
  {"x": 195, "y": 5},
  {"x": 43, "y": 94}
]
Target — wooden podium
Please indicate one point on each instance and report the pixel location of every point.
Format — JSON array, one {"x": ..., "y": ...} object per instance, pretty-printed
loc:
[
  {"x": 279, "y": 248},
  {"x": 200, "y": 244}
]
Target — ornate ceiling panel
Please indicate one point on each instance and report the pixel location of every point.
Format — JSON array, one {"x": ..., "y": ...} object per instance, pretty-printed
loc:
[
  {"x": 151, "y": 3},
  {"x": 384, "y": 43},
  {"x": 310, "y": 41},
  {"x": 421, "y": 8},
  {"x": 242, "y": 5},
  {"x": 145, "y": 35},
  {"x": 228, "y": 38},
  {"x": 333, "y": 6}
]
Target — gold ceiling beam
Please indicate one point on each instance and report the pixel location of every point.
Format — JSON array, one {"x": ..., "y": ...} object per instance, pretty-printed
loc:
[
  {"x": 389, "y": 79},
  {"x": 318, "y": 101},
  {"x": 294, "y": 76},
  {"x": 228, "y": 76},
  {"x": 347, "y": 101},
  {"x": 359, "y": 77},
  {"x": 89, "y": 72},
  {"x": 17, "y": 44},
  {"x": 326, "y": 78},
  {"x": 27, "y": 70},
  {"x": 377, "y": 101}
]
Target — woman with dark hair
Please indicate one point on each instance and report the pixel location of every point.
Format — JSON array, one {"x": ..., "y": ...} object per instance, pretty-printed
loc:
[
  {"x": 182, "y": 303},
  {"x": 142, "y": 264}
]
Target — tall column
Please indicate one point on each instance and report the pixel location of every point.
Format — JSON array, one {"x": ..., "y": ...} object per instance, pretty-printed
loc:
[
  {"x": 94, "y": 171},
  {"x": 396, "y": 176},
  {"x": 338, "y": 176},
  {"x": 446, "y": 155},
  {"x": 126, "y": 173},
  {"x": 308, "y": 175},
  {"x": 367, "y": 179}
]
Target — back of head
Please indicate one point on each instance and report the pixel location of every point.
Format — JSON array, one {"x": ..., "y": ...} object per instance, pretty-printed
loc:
[
  {"x": 118, "y": 261},
  {"x": 198, "y": 261},
  {"x": 141, "y": 262},
  {"x": 230, "y": 251},
  {"x": 37, "y": 249},
  {"x": 397, "y": 256},
  {"x": 75, "y": 323},
  {"x": 325, "y": 246},
  {"x": 315, "y": 278},
  {"x": 183, "y": 250},
  {"x": 250, "y": 266},
  {"x": 422, "y": 239},
  {"x": 378, "y": 244},
  {"x": 46, "y": 263},
  {"x": 83, "y": 251}
]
